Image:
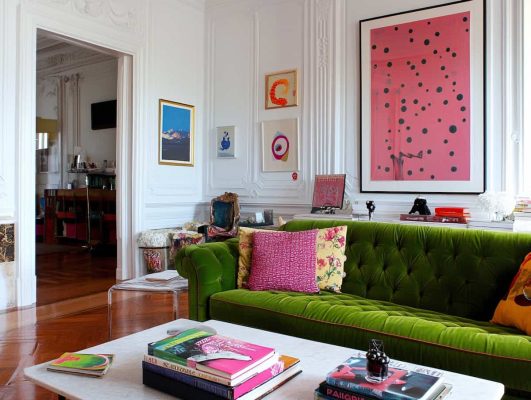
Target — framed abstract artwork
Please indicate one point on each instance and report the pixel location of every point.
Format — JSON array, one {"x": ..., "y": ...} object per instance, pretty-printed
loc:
[
  {"x": 225, "y": 141},
  {"x": 281, "y": 89},
  {"x": 422, "y": 100},
  {"x": 328, "y": 191},
  {"x": 280, "y": 145},
  {"x": 176, "y": 133}
]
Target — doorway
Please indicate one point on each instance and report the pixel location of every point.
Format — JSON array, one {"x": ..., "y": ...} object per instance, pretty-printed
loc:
[
  {"x": 129, "y": 91},
  {"x": 76, "y": 95}
]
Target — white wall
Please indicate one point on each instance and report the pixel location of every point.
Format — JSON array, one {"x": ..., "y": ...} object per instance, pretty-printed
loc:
[
  {"x": 166, "y": 38},
  {"x": 246, "y": 39}
]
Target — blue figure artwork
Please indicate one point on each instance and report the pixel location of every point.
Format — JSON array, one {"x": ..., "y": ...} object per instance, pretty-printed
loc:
[{"x": 225, "y": 142}]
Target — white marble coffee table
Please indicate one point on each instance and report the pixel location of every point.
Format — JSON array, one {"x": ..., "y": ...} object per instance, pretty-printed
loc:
[{"x": 124, "y": 379}]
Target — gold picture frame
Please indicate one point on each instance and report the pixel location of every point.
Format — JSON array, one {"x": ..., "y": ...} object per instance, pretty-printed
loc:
[
  {"x": 176, "y": 133},
  {"x": 281, "y": 89}
]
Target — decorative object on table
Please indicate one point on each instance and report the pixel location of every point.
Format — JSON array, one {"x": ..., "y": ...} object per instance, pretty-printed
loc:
[
  {"x": 224, "y": 217},
  {"x": 498, "y": 205},
  {"x": 225, "y": 141},
  {"x": 422, "y": 100},
  {"x": 370, "y": 207},
  {"x": 155, "y": 245},
  {"x": 351, "y": 378},
  {"x": 280, "y": 145},
  {"x": 346, "y": 209},
  {"x": 268, "y": 217},
  {"x": 281, "y": 89},
  {"x": 154, "y": 259},
  {"x": 176, "y": 133},
  {"x": 377, "y": 362},
  {"x": 328, "y": 193},
  {"x": 83, "y": 364},
  {"x": 420, "y": 206}
]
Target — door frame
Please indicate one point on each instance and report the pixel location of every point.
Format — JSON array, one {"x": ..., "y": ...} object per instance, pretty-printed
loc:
[{"x": 130, "y": 94}]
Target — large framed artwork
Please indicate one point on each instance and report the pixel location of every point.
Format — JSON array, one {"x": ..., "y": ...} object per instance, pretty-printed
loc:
[
  {"x": 280, "y": 145},
  {"x": 422, "y": 100},
  {"x": 176, "y": 133}
]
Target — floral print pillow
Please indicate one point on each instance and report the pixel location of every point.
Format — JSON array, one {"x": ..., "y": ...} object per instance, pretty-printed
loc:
[
  {"x": 331, "y": 257},
  {"x": 246, "y": 251}
]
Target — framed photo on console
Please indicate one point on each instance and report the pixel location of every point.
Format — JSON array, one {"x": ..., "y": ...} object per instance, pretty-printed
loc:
[
  {"x": 328, "y": 191},
  {"x": 176, "y": 133},
  {"x": 422, "y": 100}
]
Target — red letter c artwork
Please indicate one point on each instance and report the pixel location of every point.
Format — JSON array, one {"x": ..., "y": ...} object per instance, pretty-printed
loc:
[{"x": 279, "y": 101}]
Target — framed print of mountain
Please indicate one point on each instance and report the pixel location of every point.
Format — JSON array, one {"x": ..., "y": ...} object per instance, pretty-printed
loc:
[
  {"x": 422, "y": 100},
  {"x": 176, "y": 133}
]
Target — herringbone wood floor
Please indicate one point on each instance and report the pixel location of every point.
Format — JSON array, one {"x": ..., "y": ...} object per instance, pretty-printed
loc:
[{"x": 28, "y": 344}]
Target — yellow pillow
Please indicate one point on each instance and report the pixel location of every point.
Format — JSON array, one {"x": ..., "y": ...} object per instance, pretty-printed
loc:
[
  {"x": 515, "y": 309},
  {"x": 330, "y": 257}
]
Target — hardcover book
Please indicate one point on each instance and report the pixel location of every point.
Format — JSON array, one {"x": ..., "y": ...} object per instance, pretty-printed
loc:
[
  {"x": 215, "y": 354},
  {"x": 401, "y": 384},
  {"x": 183, "y": 369},
  {"x": 434, "y": 218},
  {"x": 79, "y": 363},
  {"x": 231, "y": 393},
  {"x": 188, "y": 392}
]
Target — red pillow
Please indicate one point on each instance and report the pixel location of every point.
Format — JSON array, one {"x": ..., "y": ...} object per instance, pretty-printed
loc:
[{"x": 284, "y": 261}]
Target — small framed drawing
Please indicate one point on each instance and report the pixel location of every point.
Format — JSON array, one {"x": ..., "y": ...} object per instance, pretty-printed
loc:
[
  {"x": 281, "y": 89},
  {"x": 422, "y": 100},
  {"x": 225, "y": 141},
  {"x": 328, "y": 191},
  {"x": 280, "y": 145},
  {"x": 176, "y": 133}
]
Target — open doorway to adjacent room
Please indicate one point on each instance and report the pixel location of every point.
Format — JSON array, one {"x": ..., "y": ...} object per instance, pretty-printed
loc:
[{"x": 75, "y": 183}]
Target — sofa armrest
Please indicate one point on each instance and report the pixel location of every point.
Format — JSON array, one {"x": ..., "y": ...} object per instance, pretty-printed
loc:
[{"x": 209, "y": 268}]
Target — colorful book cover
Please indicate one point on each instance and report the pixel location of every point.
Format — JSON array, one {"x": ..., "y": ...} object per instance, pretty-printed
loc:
[
  {"x": 399, "y": 385},
  {"x": 231, "y": 393},
  {"x": 215, "y": 354},
  {"x": 90, "y": 364}
]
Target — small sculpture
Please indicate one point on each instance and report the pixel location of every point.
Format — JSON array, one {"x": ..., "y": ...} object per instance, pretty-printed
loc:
[
  {"x": 420, "y": 205},
  {"x": 371, "y": 207},
  {"x": 377, "y": 362}
]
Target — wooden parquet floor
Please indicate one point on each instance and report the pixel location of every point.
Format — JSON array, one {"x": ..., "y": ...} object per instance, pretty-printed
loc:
[
  {"x": 49, "y": 338},
  {"x": 71, "y": 315}
]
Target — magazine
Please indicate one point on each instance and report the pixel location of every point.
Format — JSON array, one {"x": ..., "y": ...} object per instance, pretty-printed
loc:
[{"x": 80, "y": 363}]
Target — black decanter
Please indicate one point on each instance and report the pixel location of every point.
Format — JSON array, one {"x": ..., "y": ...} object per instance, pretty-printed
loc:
[{"x": 377, "y": 362}]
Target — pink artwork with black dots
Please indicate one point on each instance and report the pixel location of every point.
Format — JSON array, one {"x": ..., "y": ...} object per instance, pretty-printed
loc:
[{"x": 420, "y": 90}]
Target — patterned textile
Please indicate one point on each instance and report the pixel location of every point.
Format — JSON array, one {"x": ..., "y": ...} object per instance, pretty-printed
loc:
[
  {"x": 181, "y": 239},
  {"x": 515, "y": 309},
  {"x": 156, "y": 237},
  {"x": 284, "y": 261},
  {"x": 246, "y": 251},
  {"x": 331, "y": 257}
]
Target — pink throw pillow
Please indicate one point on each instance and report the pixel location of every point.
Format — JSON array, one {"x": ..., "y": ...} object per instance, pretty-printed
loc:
[{"x": 284, "y": 261}]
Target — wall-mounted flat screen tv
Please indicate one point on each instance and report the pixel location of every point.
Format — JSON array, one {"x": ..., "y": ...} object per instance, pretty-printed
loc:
[{"x": 103, "y": 115}]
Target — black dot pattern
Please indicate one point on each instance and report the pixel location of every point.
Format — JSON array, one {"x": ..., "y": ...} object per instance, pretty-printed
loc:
[{"x": 420, "y": 82}]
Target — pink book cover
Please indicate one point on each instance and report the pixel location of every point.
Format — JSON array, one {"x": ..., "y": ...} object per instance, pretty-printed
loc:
[
  {"x": 283, "y": 363},
  {"x": 227, "y": 357}
]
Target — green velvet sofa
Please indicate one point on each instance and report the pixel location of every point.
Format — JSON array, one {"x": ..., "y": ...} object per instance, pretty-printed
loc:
[{"x": 428, "y": 292}]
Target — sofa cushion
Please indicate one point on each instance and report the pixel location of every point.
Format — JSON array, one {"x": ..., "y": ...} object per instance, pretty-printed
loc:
[
  {"x": 515, "y": 308},
  {"x": 284, "y": 261},
  {"x": 331, "y": 257},
  {"x": 410, "y": 334}
]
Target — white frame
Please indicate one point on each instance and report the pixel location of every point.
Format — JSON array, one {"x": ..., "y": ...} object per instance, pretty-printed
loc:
[
  {"x": 476, "y": 184},
  {"x": 220, "y": 130},
  {"x": 281, "y": 124}
]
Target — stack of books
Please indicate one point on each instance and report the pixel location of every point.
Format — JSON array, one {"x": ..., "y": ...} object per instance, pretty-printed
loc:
[
  {"x": 95, "y": 365},
  {"x": 195, "y": 364},
  {"x": 347, "y": 381},
  {"x": 523, "y": 205},
  {"x": 453, "y": 215}
]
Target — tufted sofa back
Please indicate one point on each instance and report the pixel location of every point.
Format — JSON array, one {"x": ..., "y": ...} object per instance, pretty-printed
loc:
[{"x": 461, "y": 272}]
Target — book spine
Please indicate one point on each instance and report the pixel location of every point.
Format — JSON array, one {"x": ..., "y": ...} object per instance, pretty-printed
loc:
[
  {"x": 185, "y": 370},
  {"x": 211, "y": 387},
  {"x": 175, "y": 388},
  {"x": 334, "y": 392}
]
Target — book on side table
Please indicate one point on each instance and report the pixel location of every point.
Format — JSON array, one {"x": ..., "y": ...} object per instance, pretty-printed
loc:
[{"x": 83, "y": 364}]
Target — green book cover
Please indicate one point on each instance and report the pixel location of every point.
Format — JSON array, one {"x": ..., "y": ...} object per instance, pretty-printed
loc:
[{"x": 165, "y": 348}]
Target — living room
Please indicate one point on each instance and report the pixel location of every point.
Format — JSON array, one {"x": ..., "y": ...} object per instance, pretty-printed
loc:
[{"x": 214, "y": 55}]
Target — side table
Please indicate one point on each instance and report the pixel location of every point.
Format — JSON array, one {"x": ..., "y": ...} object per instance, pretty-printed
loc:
[{"x": 174, "y": 285}]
